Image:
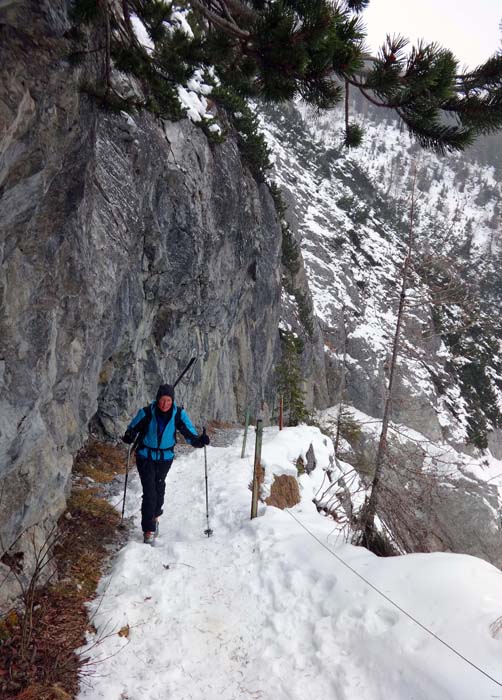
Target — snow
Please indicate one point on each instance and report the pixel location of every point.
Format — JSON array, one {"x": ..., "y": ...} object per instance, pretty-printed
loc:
[
  {"x": 179, "y": 18},
  {"x": 141, "y": 34},
  {"x": 197, "y": 84},
  {"x": 268, "y": 609},
  {"x": 196, "y": 105},
  {"x": 193, "y": 98},
  {"x": 349, "y": 210}
]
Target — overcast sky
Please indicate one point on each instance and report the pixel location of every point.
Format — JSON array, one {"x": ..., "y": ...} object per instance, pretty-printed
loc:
[{"x": 469, "y": 29}]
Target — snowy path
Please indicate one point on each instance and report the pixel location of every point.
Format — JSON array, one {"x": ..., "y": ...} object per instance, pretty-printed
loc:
[
  {"x": 262, "y": 611},
  {"x": 191, "y": 600}
]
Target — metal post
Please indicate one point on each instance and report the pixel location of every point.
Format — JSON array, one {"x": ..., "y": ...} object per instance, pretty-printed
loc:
[
  {"x": 281, "y": 413},
  {"x": 257, "y": 461},
  {"x": 245, "y": 433}
]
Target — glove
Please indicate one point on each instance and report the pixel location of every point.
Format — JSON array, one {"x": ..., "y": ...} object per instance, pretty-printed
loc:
[
  {"x": 201, "y": 440},
  {"x": 129, "y": 437}
]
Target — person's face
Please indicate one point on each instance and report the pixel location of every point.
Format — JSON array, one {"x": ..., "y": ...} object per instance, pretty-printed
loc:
[{"x": 165, "y": 403}]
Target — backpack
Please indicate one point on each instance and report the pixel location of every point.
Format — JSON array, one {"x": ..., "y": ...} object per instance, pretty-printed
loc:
[{"x": 142, "y": 427}]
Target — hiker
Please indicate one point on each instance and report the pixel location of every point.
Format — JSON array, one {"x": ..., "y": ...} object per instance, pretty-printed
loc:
[{"x": 155, "y": 428}]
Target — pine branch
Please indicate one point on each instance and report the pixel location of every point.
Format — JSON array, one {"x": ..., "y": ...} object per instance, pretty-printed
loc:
[
  {"x": 241, "y": 10},
  {"x": 357, "y": 5},
  {"x": 282, "y": 49},
  {"x": 127, "y": 20},
  {"x": 220, "y": 22}
]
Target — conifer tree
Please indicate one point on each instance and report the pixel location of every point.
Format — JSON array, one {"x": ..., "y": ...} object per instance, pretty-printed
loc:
[
  {"x": 314, "y": 49},
  {"x": 289, "y": 379}
]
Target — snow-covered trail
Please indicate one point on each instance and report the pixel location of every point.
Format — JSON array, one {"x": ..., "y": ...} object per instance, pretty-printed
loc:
[
  {"x": 260, "y": 610},
  {"x": 195, "y": 619}
]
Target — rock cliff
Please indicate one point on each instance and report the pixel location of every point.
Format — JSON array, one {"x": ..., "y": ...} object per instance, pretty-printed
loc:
[{"x": 127, "y": 246}]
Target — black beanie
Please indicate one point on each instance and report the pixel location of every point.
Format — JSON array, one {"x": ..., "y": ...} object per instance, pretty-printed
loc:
[{"x": 165, "y": 390}]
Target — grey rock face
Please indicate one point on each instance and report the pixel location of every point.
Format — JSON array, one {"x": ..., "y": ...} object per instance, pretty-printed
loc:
[{"x": 126, "y": 247}]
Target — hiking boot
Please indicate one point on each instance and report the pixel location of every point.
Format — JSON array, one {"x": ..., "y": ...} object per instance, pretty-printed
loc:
[
  {"x": 156, "y": 533},
  {"x": 149, "y": 538}
]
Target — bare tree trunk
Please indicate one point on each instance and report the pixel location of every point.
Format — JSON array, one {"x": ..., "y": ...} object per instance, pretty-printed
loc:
[
  {"x": 368, "y": 525},
  {"x": 346, "y": 107},
  {"x": 342, "y": 382}
]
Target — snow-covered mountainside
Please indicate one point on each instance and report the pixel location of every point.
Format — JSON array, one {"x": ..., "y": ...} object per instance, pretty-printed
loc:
[
  {"x": 350, "y": 212},
  {"x": 456, "y": 193}
]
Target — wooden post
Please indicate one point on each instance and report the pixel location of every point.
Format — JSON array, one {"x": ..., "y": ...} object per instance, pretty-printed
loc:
[
  {"x": 257, "y": 461},
  {"x": 246, "y": 425},
  {"x": 281, "y": 413}
]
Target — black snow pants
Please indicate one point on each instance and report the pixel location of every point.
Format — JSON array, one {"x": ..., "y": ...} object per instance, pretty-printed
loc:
[{"x": 153, "y": 480}]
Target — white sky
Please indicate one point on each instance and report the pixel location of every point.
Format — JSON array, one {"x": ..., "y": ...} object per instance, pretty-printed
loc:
[{"x": 469, "y": 29}]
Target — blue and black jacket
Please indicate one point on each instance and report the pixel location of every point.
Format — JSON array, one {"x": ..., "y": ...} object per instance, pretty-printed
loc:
[{"x": 158, "y": 444}]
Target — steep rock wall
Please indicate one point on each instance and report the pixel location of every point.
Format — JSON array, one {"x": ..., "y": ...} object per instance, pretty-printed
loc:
[{"x": 126, "y": 246}]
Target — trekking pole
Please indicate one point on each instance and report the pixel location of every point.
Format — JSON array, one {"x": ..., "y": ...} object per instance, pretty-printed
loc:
[
  {"x": 121, "y": 524},
  {"x": 207, "y": 532}
]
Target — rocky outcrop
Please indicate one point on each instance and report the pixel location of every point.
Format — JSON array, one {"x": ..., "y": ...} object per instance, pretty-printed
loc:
[
  {"x": 353, "y": 236},
  {"x": 127, "y": 246}
]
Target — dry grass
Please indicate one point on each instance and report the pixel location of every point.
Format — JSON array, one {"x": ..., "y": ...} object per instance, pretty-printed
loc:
[
  {"x": 260, "y": 475},
  {"x": 49, "y": 670},
  {"x": 40, "y": 692},
  {"x": 100, "y": 461},
  {"x": 284, "y": 493}
]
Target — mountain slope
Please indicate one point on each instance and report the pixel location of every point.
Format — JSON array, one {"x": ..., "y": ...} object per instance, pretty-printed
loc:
[
  {"x": 350, "y": 211},
  {"x": 351, "y": 218}
]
